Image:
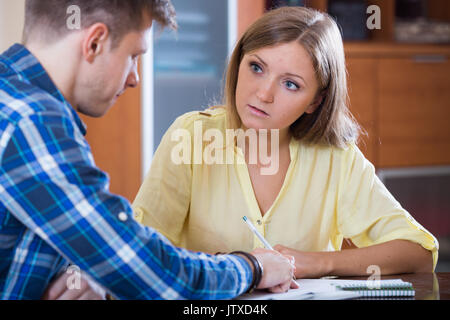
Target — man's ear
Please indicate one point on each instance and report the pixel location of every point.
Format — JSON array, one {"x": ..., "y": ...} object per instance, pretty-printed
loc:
[
  {"x": 315, "y": 104},
  {"x": 95, "y": 40}
]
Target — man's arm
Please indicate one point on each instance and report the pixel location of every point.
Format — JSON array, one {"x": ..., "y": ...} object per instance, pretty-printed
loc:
[{"x": 52, "y": 186}]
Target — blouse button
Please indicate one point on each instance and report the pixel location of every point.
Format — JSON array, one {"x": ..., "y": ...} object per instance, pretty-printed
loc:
[
  {"x": 259, "y": 222},
  {"x": 138, "y": 214}
]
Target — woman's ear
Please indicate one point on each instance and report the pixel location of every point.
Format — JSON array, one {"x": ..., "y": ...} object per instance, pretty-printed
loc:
[{"x": 315, "y": 104}]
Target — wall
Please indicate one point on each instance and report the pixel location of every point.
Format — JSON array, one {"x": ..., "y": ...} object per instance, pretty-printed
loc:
[{"x": 11, "y": 22}]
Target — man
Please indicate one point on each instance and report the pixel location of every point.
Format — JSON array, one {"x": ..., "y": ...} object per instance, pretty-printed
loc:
[{"x": 55, "y": 207}]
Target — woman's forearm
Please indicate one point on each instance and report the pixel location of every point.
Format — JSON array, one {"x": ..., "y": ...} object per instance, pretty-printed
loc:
[{"x": 393, "y": 257}]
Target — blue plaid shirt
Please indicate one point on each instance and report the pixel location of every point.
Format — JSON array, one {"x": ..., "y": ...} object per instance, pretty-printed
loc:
[{"x": 55, "y": 207}]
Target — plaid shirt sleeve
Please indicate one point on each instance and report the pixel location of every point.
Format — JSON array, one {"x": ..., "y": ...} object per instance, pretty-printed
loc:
[{"x": 49, "y": 182}]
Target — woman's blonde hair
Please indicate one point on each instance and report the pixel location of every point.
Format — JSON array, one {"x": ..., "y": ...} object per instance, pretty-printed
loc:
[{"x": 331, "y": 123}]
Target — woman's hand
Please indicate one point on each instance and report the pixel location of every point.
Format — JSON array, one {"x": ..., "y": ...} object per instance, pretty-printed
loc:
[
  {"x": 307, "y": 264},
  {"x": 278, "y": 270}
]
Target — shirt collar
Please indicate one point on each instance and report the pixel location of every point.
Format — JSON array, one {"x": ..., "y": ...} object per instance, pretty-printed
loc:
[{"x": 26, "y": 65}]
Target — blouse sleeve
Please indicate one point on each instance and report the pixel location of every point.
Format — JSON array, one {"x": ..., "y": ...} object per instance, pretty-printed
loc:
[
  {"x": 163, "y": 199},
  {"x": 367, "y": 212}
]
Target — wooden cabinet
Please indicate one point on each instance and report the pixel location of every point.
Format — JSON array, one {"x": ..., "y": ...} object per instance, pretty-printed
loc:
[
  {"x": 362, "y": 89},
  {"x": 414, "y": 111},
  {"x": 248, "y": 12},
  {"x": 400, "y": 94}
]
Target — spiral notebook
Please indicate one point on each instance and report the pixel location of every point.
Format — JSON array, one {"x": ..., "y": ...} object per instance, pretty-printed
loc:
[
  {"x": 337, "y": 289},
  {"x": 380, "y": 288}
]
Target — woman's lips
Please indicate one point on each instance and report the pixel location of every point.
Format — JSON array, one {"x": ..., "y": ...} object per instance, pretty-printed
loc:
[{"x": 257, "y": 112}]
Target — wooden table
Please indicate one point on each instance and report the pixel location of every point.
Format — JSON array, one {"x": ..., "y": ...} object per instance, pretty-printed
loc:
[{"x": 428, "y": 286}]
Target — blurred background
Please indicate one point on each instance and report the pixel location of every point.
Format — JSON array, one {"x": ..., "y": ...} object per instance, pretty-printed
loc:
[{"x": 399, "y": 90}]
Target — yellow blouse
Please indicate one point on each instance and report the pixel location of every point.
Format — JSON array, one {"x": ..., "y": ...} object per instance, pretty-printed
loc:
[{"x": 328, "y": 194}]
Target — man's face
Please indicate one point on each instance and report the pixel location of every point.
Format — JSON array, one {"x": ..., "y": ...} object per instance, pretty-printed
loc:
[{"x": 111, "y": 73}]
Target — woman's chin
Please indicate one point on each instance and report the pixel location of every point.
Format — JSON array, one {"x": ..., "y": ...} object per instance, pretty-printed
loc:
[{"x": 255, "y": 126}]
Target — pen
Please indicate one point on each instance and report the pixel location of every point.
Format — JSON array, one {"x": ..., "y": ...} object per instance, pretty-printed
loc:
[
  {"x": 260, "y": 237},
  {"x": 252, "y": 227}
]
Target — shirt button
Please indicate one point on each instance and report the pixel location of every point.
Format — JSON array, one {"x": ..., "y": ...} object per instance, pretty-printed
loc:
[
  {"x": 259, "y": 222},
  {"x": 123, "y": 216}
]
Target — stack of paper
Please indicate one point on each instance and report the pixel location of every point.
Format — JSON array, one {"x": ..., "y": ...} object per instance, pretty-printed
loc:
[{"x": 329, "y": 289}]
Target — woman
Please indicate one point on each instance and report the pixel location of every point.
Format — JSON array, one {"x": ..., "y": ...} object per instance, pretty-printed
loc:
[{"x": 286, "y": 78}]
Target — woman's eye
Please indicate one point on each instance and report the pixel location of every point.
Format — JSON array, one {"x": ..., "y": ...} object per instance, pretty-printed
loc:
[
  {"x": 255, "y": 68},
  {"x": 291, "y": 85}
]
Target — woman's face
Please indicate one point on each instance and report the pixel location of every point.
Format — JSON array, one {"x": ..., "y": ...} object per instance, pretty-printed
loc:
[{"x": 276, "y": 85}]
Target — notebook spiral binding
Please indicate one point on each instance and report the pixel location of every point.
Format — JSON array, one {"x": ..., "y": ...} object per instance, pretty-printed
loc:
[{"x": 404, "y": 289}]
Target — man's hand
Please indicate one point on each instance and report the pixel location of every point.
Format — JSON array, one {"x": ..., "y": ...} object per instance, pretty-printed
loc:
[
  {"x": 61, "y": 290},
  {"x": 278, "y": 270}
]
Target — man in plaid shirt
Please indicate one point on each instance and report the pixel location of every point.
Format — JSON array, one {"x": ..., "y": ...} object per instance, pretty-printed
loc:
[{"x": 55, "y": 206}]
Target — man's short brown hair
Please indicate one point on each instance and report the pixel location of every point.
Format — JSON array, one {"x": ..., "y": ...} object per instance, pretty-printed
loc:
[{"x": 48, "y": 18}]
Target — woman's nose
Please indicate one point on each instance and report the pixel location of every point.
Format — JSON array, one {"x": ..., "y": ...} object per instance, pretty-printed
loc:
[{"x": 265, "y": 92}]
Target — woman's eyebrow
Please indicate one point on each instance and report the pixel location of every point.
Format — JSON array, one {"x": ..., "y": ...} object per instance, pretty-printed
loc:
[
  {"x": 259, "y": 58},
  {"x": 297, "y": 76}
]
